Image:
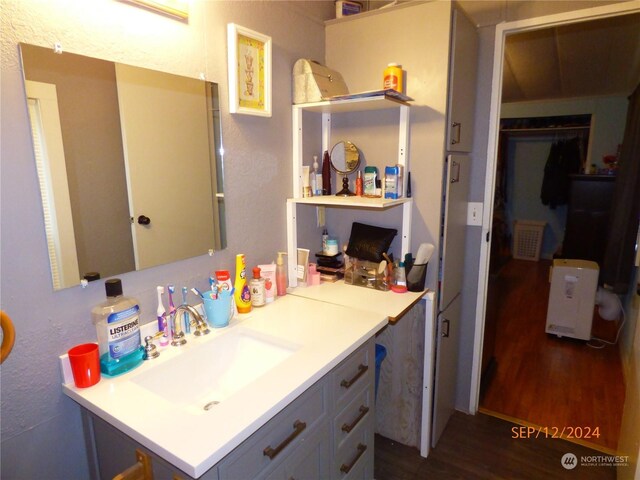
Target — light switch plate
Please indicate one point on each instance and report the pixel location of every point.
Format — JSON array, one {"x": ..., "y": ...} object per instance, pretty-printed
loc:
[{"x": 474, "y": 213}]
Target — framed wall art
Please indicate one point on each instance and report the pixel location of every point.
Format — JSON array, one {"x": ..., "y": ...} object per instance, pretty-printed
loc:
[{"x": 249, "y": 55}]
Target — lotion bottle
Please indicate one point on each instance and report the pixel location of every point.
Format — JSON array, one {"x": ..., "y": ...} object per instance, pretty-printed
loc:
[
  {"x": 281, "y": 275},
  {"x": 242, "y": 294},
  {"x": 314, "y": 177},
  {"x": 257, "y": 288},
  {"x": 117, "y": 322}
]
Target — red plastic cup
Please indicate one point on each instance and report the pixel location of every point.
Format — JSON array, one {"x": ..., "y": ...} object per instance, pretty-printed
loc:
[{"x": 85, "y": 364}]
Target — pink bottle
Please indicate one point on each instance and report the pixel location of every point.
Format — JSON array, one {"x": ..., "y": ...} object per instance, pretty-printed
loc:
[{"x": 281, "y": 275}]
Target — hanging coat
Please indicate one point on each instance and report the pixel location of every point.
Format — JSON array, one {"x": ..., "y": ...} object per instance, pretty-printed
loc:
[{"x": 563, "y": 160}]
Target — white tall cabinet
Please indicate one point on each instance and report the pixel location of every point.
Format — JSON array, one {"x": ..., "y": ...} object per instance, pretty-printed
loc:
[
  {"x": 437, "y": 47},
  {"x": 463, "y": 72}
]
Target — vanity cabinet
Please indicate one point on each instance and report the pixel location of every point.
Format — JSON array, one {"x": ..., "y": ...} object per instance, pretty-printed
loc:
[
  {"x": 327, "y": 109},
  {"x": 325, "y": 433}
]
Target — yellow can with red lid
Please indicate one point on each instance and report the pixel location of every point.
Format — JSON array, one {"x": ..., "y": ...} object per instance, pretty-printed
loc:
[{"x": 392, "y": 77}]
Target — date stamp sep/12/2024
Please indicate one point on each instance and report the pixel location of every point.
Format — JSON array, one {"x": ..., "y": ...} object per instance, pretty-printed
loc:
[{"x": 567, "y": 433}]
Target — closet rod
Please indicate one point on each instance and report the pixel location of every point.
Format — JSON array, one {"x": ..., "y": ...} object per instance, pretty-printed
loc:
[{"x": 544, "y": 129}]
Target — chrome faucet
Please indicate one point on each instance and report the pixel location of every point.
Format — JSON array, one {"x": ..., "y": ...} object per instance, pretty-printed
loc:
[{"x": 201, "y": 327}]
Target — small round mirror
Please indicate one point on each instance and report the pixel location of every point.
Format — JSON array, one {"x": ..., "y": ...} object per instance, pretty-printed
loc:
[{"x": 345, "y": 158}]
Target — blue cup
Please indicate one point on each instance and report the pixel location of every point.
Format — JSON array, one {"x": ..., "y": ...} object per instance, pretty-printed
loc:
[{"x": 219, "y": 311}]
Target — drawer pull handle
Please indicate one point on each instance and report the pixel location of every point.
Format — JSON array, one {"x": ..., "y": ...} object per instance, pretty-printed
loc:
[
  {"x": 298, "y": 427},
  {"x": 363, "y": 411},
  {"x": 344, "y": 468},
  {"x": 361, "y": 369},
  {"x": 457, "y": 125}
]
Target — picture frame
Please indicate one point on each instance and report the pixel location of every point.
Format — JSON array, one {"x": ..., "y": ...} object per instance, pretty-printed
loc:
[
  {"x": 174, "y": 8},
  {"x": 249, "y": 57}
]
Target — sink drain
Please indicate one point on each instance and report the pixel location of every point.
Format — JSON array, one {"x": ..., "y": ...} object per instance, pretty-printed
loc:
[{"x": 210, "y": 405}]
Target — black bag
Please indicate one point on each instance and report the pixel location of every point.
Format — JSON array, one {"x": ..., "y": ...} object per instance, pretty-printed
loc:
[{"x": 368, "y": 242}]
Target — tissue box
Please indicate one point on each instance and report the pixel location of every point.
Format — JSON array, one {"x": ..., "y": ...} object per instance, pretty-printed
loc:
[{"x": 313, "y": 82}]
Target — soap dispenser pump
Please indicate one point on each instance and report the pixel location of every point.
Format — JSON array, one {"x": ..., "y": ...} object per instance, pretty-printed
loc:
[{"x": 281, "y": 275}]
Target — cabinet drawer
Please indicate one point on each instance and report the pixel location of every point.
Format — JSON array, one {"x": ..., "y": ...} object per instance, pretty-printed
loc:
[
  {"x": 308, "y": 461},
  {"x": 357, "y": 412},
  {"x": 278, "y": 437},
  {"x": 353, "y": 374},
  {"x": 356, "y": 453}
]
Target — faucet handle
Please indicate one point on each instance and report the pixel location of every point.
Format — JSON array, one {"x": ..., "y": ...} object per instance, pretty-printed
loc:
[
  {"x": 150, "y": 350},
  {"x": 201, "y": 327}
]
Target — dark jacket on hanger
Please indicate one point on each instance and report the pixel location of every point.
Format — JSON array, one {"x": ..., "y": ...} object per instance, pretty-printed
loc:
[{"x": 563, "y": 160}]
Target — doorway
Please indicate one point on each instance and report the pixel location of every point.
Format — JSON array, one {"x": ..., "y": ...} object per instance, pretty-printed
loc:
[{"x": 527, "y": 272}]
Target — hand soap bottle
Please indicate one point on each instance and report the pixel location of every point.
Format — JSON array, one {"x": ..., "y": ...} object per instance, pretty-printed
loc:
[
  {"x": 281, "y": 275},
  {"x": 242, "y": 295},
  {"x": 117, "y": 324}
]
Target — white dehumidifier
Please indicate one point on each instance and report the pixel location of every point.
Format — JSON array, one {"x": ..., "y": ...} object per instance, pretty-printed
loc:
[{"x": 572, "y": 298}]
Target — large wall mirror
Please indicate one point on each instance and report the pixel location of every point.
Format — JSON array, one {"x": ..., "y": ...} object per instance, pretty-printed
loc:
[{"x": 129, "y": 162}]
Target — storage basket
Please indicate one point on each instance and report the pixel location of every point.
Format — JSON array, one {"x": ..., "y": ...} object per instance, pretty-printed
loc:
[{"x": 527, "y": 240}]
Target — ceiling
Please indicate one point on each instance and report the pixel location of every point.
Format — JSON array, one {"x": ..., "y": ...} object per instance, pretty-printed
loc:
[{"x": 600, "y": 57}]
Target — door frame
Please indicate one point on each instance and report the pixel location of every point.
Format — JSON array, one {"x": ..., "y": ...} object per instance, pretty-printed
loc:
[{"x": 502, "y": 30}]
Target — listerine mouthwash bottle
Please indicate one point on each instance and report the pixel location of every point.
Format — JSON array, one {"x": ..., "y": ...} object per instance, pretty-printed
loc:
[{"x": 117, "y": 323}]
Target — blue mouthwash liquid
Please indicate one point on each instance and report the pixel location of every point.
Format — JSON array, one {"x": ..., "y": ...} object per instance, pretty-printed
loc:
[{"x": 117, "y": 324}]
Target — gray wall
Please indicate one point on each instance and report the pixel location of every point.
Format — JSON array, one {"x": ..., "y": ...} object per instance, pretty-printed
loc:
[
  {"x": 474, "y": 234},
  {"x": 41, "y": 430}
]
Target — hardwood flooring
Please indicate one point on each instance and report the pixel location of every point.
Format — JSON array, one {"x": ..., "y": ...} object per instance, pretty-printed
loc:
[
  {"x": 483, "y": 447},
  {"x": 552, "y": 382}
]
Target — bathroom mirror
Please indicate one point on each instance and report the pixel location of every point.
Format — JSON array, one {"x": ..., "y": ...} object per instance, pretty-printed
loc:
[
  {"x": 129, "y": 162},
  {"x": 345, "y": 158}
]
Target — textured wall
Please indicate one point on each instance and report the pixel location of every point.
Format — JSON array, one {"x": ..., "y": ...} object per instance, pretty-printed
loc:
[{"x": 41, "y": 431}]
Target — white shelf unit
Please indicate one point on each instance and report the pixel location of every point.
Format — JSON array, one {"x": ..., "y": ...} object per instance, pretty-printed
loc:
[{"x": 327, "y": 109}]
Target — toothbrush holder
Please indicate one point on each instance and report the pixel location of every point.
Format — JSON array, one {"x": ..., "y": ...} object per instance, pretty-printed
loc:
[{"x": 218, "y": 311}]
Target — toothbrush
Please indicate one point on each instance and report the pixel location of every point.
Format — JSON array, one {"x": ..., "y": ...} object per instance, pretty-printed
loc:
[
  {"x": 162, "y": 321},
  {"x": 213, "y": 283},
  {"x": 187, "y": 324},
  {"x": 172, "y": 308},
  {"x": 197, "y": 292}
]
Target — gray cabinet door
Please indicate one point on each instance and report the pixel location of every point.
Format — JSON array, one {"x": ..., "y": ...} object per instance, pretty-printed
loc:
[{"x": 462, "y": 83}]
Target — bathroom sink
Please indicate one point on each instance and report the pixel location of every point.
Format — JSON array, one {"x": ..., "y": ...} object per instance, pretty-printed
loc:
[{"x": 205, "y": 375}]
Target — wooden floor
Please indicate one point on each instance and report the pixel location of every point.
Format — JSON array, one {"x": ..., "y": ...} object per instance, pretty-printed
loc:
[
  {"x": 548, "y": 381},
  {"x": 481, "y": 446}
]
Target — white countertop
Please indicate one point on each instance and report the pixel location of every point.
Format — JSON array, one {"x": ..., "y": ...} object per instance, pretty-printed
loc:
[
  {"x": 194, "y": 442},
  {"x": 389, "y": 304}
]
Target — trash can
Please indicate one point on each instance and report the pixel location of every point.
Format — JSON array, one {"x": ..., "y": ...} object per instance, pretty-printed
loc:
[{"x": 381, "y": 352}]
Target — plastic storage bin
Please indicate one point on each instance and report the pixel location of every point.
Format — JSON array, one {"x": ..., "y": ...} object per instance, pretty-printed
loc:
[
  {"x": 527, "y": 240},
  {"x": 381, "y": 353}
]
